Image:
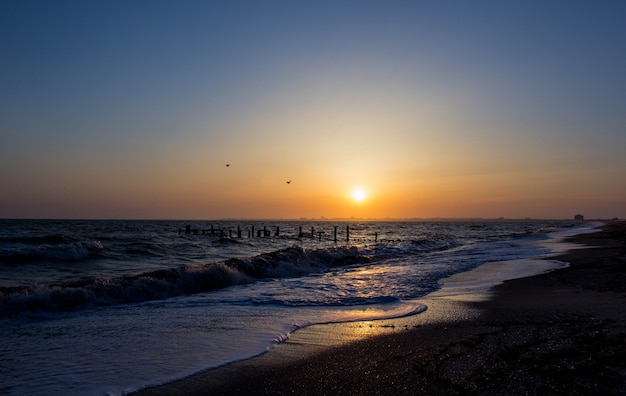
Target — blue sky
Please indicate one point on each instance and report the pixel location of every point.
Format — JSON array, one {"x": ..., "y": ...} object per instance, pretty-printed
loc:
[{"x": 452, "y": 109}]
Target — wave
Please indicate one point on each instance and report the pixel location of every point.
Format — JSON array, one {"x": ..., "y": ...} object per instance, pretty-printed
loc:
[
  {"x": 552, "y": 228},
  {"x": 57, "y": 247},
  {"x": 435, "y": 245},
  {"x": 185, "y": 280},
  {"x": 398, "y": 249}
]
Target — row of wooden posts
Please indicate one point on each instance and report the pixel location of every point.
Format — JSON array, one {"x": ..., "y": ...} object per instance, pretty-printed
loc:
[{"x": 263, "y": 233}]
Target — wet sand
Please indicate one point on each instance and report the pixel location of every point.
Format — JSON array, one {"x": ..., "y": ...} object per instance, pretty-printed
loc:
[{"x": 558, "y": 333}]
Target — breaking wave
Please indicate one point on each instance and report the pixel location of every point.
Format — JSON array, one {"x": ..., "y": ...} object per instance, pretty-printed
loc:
[{"x": 161, "y": 284}]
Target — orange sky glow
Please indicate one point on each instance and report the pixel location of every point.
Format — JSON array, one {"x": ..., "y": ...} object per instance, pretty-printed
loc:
[{"x": 435, "y": 111}]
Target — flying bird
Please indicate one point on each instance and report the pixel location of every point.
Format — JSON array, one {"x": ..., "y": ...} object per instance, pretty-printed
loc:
[
  {"x": 227, "y": 165},
  {"x": 288, "y": 181}
]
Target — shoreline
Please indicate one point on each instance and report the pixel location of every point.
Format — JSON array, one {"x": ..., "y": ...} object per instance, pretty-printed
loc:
[{"x": 559, "y": 332}]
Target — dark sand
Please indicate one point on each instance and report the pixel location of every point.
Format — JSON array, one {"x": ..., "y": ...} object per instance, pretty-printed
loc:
[{"x": 559, "y": 333}]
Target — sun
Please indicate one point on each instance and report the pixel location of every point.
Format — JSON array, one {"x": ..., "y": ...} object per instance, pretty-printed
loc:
[{"x": 358, "y": 194}]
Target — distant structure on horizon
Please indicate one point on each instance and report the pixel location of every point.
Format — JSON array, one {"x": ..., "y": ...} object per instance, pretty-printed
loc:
[{"x": 579, "y": 217}]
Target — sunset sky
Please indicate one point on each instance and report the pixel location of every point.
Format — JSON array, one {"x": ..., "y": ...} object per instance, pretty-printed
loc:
[{"x": 132, "y": 109}]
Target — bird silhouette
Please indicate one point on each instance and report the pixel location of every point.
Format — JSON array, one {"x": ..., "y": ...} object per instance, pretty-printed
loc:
[
  {"x": 288, "y": 181},
  {"x": 227, "y": 165}
]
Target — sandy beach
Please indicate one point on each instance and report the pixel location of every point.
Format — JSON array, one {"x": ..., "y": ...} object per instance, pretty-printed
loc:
[{"x": 563, "y": 332}]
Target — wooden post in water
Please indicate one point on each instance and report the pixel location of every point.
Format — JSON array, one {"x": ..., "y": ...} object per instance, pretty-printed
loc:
[
  {"x": 335, "y": 234},
  {"x": 320, "y": 235},
  {"x": 300, "y": 232},
  {"x": 264, "y": 231},
  {"x": 347, "y": 233},
  {"x": 277, "y": 231},
  {"x": 238, "y": 232},
  {"x": 376, "y": 237},
  {"x": 252, "y": 232},
  {"x": 312, "y": 233}
]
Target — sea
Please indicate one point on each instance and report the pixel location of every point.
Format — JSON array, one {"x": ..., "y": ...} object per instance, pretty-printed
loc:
[{"x": 107, "y": 307}]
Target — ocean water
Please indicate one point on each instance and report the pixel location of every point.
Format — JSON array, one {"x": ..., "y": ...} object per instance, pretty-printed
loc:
[{"x": 107, "y": 307}]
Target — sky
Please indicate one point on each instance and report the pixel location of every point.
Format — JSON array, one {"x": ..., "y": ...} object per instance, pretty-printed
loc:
[{"x": 452, "y": 109}]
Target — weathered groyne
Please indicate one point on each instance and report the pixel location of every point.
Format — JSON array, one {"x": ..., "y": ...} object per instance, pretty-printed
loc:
[{"x": 274, "y": 231}]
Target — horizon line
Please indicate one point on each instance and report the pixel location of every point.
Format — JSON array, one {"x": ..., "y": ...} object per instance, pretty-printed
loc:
[{"x": 322, "y": 218}]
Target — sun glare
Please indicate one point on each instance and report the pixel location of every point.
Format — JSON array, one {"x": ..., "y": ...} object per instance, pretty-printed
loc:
[{"x": 358, "y": 194}]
